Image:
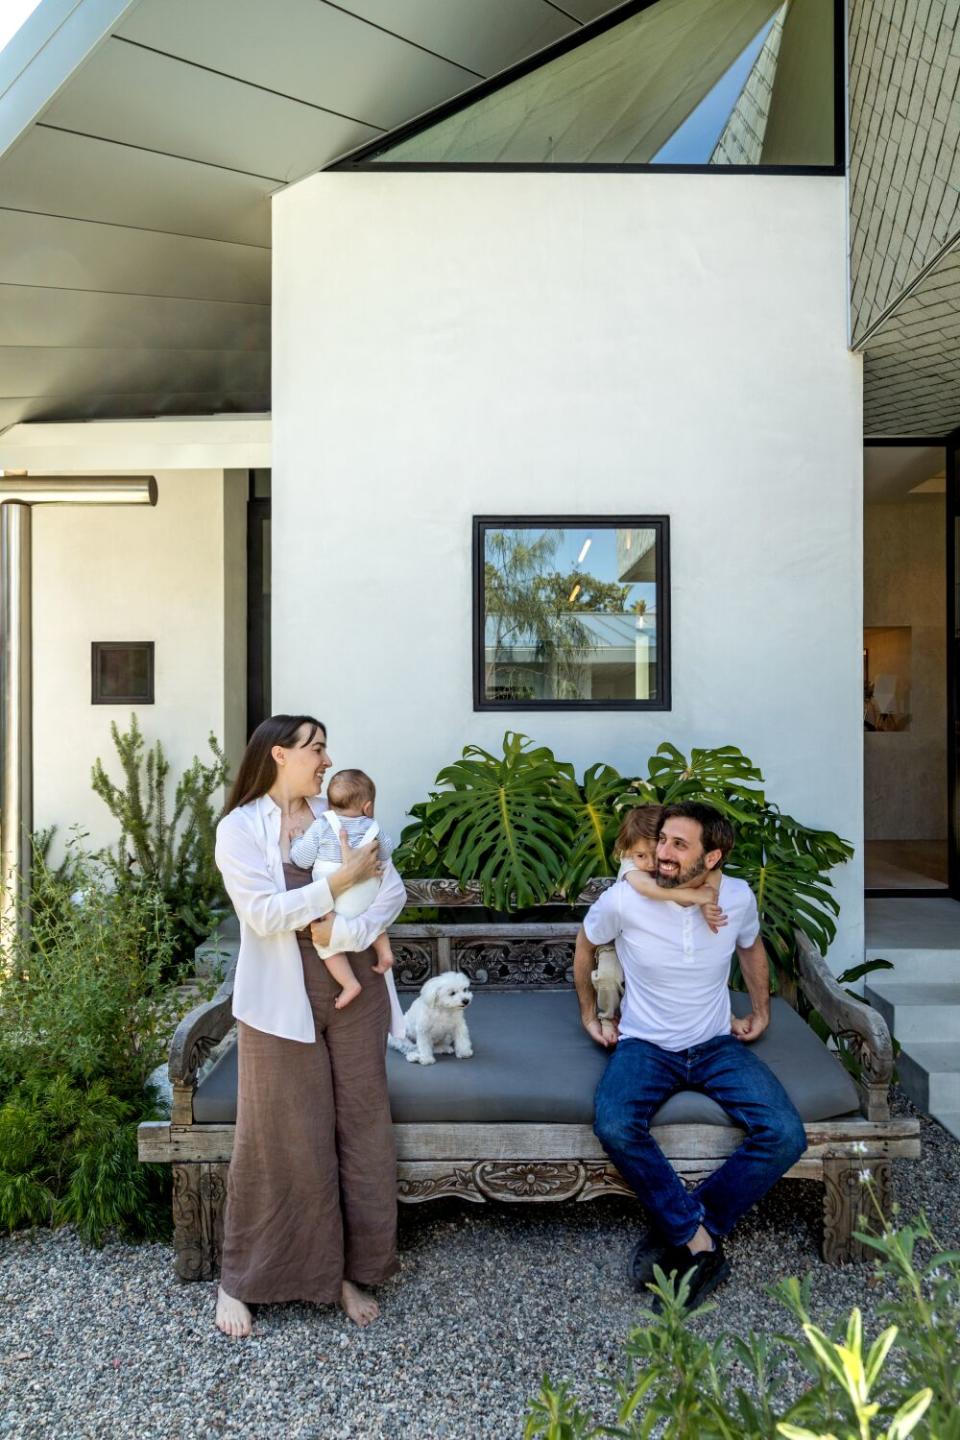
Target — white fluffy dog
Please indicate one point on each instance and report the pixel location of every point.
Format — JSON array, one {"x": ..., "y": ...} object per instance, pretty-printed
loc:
[{"x": 435, "y": 1023}]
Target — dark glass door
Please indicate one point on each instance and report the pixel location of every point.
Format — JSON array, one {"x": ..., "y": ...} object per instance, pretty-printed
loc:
[
  {"x": 258, "y": 599},
  {"x": 953, "y": 660}
]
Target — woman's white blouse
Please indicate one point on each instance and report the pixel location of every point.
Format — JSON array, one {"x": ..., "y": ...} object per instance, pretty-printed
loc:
[{"x": 268, "y": 991}]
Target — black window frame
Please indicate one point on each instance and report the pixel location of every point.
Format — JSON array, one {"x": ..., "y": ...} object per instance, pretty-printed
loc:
[
  {"x": 102, "y": 647},
  {"x": 660, "y": 523},
  {"x": 363, "y": 156}
]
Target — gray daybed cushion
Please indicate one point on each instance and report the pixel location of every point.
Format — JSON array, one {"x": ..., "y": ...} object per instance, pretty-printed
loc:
[{"x": 534, "y": 1064}]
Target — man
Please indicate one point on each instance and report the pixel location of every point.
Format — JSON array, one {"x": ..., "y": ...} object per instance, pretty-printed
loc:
[{"x": 676, "y": 1033}]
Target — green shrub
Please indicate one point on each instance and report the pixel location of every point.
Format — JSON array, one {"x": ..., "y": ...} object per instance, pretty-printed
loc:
[
  {"x": 168, "y": 846},
  {"x": 525, "y": 828},
  {"x": 85, "y": 1017},
  {"x": 680, "y": 1386}
]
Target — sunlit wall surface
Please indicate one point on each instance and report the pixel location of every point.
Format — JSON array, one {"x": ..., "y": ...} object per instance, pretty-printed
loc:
[{"x": 679, "y": 82}]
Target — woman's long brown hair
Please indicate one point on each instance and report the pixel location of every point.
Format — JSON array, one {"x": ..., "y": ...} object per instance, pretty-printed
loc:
[{"x": 258, "y": 769}]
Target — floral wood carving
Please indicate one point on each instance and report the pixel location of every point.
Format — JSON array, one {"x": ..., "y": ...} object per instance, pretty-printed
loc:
[
  {"x": 458, "y": 1182},
  {"x": 601, "y": 1178},
  {"x": 415, "y": 961},
  {"x": 187, "y": 1225},
  {"x": 515, "y": 962},
  {"x": 846, "y": 1198},
  {"x": 199, "y": 1197},
  {"x": 535, "y": 1180},
  {"x": 450, "y": 892}
]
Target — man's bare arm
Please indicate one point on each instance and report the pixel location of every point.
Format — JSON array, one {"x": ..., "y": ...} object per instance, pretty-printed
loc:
[
  {"x": 583, "y": 962},
  {"x": 756, "y": 973}
]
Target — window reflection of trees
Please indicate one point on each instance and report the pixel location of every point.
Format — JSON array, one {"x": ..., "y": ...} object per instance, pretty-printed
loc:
[{"x": 532, "y": 605}]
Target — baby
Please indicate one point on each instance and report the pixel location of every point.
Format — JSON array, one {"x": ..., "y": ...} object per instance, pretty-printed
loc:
[
  {"x": 636, "y": 849},
  {"x": 351, "y": 794}
]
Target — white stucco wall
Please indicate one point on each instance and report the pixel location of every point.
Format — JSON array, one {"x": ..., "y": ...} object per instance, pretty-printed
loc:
[
  {"x": 448, "y": 345},
  {"x": 135, "y": 574}
]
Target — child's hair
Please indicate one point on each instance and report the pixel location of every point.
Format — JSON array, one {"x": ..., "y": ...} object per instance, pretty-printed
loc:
[
  {"x": 641, "y": 823},
  {"x": 350, "y": 790}
]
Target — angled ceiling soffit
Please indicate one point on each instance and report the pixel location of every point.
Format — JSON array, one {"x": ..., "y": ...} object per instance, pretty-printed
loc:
[
  {"x": 904, "y": 149},
  {"x": 912, "y": 360}
]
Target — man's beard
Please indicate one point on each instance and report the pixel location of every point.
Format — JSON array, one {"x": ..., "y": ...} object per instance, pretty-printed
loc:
[{"x": 682, "y": 877}]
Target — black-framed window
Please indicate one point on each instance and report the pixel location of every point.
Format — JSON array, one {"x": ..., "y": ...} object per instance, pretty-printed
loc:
[
  {"x": 745, "y": 85},
  {"x": 122, "y": 672},
  {"x": 571, "y": 612}
]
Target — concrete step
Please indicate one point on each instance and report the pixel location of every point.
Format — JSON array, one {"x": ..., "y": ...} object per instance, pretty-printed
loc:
[
  {"x": 930, "y": 1074},
  {"x": 916, "y": 1010},
  {"x": 950, "y": 1120},
  {"x": 918, "y": 964},
  {"x": 920, "y": 937}
]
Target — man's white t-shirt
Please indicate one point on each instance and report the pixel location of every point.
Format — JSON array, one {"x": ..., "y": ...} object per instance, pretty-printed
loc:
[{"x": 676, "y": 970}]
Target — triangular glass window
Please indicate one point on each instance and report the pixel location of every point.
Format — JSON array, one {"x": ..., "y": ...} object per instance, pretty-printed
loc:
[{"x": 675, "y": 82}]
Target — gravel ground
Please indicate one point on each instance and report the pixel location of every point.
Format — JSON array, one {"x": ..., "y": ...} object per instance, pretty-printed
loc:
[{"x": 109, "y": 1344}]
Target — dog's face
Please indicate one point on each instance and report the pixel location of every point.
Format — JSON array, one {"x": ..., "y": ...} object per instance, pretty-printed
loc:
[{"x": 447, "y": 992}]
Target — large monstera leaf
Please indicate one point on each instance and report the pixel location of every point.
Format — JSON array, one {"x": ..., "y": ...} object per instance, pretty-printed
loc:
[
  {"x": 418, "y": 854},
  {"x": 525, "y": 828},
  {"x": 503, "y": 822},
  {"x": 792, "y": 890},
  {"x": 592, "y": 806},
  {"x": 722, "y": 777}
]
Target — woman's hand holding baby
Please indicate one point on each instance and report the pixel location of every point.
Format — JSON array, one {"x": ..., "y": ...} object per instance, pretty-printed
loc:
[
  {"x": 321, "y": 931},
  {"x": 363, "y": 863}
]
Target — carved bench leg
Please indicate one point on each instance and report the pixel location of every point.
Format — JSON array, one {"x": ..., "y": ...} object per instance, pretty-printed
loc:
[
  {"x": 199, "y": 1195},
  {"x": 846, "y": 1197}
]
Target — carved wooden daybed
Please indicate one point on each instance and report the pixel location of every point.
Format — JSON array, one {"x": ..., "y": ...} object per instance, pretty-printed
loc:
[{"x": 515, "y": 1122}]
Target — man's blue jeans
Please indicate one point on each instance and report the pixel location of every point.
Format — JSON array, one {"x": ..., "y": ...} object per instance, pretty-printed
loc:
[{"x": 638, "y": 1079}]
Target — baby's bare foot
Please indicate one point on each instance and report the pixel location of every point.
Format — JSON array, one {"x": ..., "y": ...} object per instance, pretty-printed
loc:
[
  {"x": 358, "y": 1305},
  {"x": 348, "y": 993},
  {"x": 607, "y": 1027},
  {"x": 382, "y": 966},
  {"x": 233, "y": 1317}
]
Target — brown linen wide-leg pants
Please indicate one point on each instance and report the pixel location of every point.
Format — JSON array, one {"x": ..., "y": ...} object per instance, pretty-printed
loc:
[{"x": 312, "y": 1186}]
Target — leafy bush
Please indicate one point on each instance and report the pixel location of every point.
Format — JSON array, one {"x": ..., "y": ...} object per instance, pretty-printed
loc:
[
  {"x": 682, "y": 1387},
  {"x": 85, "y": 1017},
  {"x": 525, "y": 828},
  {"x": 171, "y": 848}
]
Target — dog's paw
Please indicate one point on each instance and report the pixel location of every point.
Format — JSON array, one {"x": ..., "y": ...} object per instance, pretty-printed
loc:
[
  {"x": 413, "y": 1057},
  {"x": 464, "y": 1053}
]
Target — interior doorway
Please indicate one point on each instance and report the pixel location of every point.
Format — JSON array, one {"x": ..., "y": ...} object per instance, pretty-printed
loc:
[
  {"x": 258, "y": 599},
  {"x": 906, "y": 706}
]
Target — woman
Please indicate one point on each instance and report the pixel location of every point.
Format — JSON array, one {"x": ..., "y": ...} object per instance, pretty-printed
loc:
[{"x": 311, "y": 1193}]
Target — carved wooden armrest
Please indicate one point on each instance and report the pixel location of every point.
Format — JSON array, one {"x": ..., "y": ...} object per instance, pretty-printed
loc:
[
  {"x": 858, "y": 1029},
  {"x": 196, "y": 1036}
]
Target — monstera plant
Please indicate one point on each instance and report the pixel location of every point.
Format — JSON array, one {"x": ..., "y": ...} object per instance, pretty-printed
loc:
[{"x": 525, "y": 829}]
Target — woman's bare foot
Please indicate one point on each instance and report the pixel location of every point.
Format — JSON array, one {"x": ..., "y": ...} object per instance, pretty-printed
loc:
[
  {"x": 348, "y": 993},
  {"x": 358, "y": 1305},
  {"x": 233, "y": 1317}
]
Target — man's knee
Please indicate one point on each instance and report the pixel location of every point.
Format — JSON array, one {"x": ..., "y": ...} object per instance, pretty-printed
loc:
[
  {"x": 784, "y": 1137},
  {"x": 616, "y": 1130}
]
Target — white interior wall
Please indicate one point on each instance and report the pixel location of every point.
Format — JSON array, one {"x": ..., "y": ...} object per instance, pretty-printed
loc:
[
  {"x": 132, "y": 574},
  {"x": 454, "y": 344},
  {"x": 905, "y": 772}
]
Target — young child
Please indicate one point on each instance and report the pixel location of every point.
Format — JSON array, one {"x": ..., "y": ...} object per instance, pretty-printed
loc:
[
  {"x": 636, "y": 849},
  {"x": 351, "y": 794}
]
